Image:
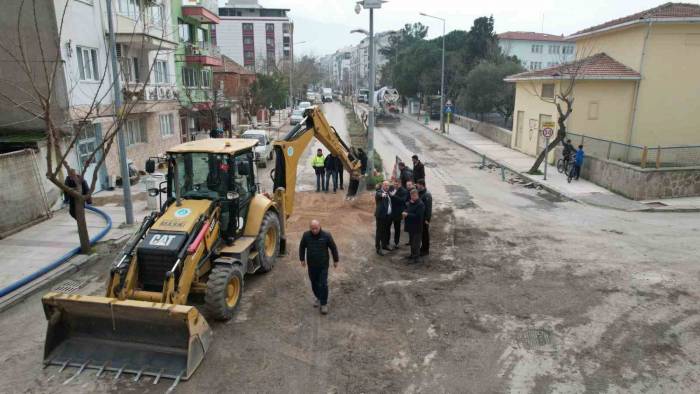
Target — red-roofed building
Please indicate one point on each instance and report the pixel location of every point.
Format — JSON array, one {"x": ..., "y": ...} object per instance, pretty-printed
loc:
[
  {"x": 536, "y": 50},
  {"x": 637, "y": 82}
]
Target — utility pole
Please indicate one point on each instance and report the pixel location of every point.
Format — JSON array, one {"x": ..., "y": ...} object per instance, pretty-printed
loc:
[
  {"x": 370, "y": 117},
  {"x": 126, "y": 185}
]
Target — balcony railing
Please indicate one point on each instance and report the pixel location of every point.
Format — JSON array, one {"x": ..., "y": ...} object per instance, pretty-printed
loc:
[
  {"x": 149, "y": 92},
  {"x": 205, "y": 11},
  {"x": 204, "y": 53}
]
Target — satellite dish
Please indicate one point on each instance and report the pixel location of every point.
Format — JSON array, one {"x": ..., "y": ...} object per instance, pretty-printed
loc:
[{"x": 358, "y": 8}]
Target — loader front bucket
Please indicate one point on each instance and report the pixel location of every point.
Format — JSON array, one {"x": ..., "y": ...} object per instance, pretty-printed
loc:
[{"x": 135, "y": 337}]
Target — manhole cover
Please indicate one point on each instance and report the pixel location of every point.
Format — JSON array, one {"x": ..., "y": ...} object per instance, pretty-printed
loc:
[
  {"x": 70, "y": 286},
  {"x": 536, "y": 337}
]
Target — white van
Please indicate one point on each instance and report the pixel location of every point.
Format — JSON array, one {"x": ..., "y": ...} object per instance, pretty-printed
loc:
[{"x": 263, "y": 150}]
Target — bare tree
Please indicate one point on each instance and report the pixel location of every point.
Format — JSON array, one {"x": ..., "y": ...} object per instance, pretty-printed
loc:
[
  {"x": 564, "y": 78},
  {"x": 39, "y": 61}
]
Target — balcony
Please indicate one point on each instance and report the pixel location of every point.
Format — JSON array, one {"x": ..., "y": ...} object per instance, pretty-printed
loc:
[
  {"x": 204, "y": 11},
  {"x": 135, "y": 91},
  {"x": 203, "y": 53}
]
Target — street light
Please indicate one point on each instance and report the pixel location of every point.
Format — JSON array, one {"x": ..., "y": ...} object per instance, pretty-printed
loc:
[
  {"x": 371, "y": 5},
  {"x": 291, "y": 70},
  {"x": 442, "y": 78}
]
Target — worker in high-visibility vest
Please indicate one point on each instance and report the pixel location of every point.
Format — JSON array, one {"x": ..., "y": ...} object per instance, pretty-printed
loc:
[{"x": 318, "y": 163}]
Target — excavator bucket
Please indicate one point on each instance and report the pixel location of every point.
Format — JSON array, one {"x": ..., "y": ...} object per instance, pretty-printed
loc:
[{"x": 134, "y": 337}]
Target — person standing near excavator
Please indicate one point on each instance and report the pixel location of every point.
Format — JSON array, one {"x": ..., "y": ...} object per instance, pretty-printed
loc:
[
  {"x": 313, "y": 253},
  {"x": 319, "y": 164}
]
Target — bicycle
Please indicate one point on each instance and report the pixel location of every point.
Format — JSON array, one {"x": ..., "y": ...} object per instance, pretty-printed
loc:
[{"x": 565, "y": 164}]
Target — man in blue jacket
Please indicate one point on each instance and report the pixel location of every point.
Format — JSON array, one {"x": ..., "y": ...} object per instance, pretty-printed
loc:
[
  {"x": 578, "y": 163},
  {"x": 313, "y": 252}
]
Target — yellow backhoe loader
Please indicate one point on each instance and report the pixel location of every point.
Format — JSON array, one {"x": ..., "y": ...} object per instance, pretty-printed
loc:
[{"x": 213, "y": 228}]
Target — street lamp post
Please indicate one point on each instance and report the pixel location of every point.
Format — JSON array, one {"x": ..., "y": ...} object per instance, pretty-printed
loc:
[
  {"x": 291, "y": 72},
  {"x": 371, "y": 5},
  {"x": 442, "y": 77}
]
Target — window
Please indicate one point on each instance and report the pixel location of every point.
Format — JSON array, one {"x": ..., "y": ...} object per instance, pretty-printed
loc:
[
  {"x": 166, "y": 125},
  {"x": 286, "y": 28},
  {"x": 535, "y": 65},
  {"x": 87, "y": 64},
  {"x": 247, "y": 40},
  {"x": 270, "y": 27},
  {"x": 286, "y": 53},
  {"x": 185, "y": 31},
  {"x": 131, "y": 69},
  {"x": 156, "y": 11},
  {"x": 248, "y": 54},
  {"x": 270, "y": 41},
  {"x": 568, "y": 50},
  {"x": 130, "y": 8},
  {"x": 286, "y": 41},
  {"x": 552, "y": 64},
  {"x": 248, "y": 27},
  {"x": 86, "y": 145},
  {"x": 189, "y": 77},
  {"x": 206, "y": 78},
  {"x": 537, "y": 48},
  {"x": 202, "y": 35},
  {"x": 554, "y": 49},
  {"x": 135, "y": 131},
  {"x": 548, "y": 90},
  {"x": 160, "y": 71},
  {"x": 593, "y": 110}
]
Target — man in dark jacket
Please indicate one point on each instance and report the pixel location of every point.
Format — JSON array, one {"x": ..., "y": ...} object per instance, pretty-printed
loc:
[
  {"x": 331, "y": 167},
  {"x": 363, "y": 160},
  {"x": 399, "y": 197},
  {"x": 313, "y": 252},
  {"x": 427, "y": 199},
  {"x": 339, "y": 169},
  {"x": 77, "y": 183},
  {"x": 383, "y": 215},
  {"x": 418, "y": 169},
  {"x": 405, "y": 174},
  {"x": 413, "y": 219}
]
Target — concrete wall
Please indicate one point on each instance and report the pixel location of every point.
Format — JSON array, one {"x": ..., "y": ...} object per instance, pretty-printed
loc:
[
  {"x": 492, "y": 132},
  {"x": 22, "y": 199},
  {"x": 642, "y": 183}
]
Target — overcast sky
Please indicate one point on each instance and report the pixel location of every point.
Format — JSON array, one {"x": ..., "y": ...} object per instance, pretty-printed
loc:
[{"x": 325, "y": 24}]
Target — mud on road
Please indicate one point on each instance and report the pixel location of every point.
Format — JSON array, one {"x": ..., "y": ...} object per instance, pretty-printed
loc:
[{"x": 481, "y": 314}]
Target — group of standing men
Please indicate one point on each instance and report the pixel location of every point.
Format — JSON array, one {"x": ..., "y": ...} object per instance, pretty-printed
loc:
[{"x": 407, "y": 200}]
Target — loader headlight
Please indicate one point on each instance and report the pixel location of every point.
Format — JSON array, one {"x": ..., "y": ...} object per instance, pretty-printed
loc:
[{"x": 232, "y": 195}]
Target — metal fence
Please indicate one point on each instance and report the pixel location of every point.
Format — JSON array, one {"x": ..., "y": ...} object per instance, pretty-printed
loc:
[
  {"x": 494, "y": 118},
  {"x": 643, "y": 156}
]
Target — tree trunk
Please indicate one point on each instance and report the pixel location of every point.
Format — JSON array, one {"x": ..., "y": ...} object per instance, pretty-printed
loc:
[
  {"x": 561, "y": 134},
  {"x": 82, "y": 225}
]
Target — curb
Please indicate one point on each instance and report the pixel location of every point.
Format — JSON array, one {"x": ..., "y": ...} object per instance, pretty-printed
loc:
[
  {"x": 75, "y": 264},
  {"x": 551, "y": 189}
]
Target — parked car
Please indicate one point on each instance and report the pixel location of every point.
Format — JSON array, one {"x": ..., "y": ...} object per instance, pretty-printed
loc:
[
  {"x": 263, "y": 150},
  {"x": 304, "y": 105},
  {"x": 297, "y": 116}
]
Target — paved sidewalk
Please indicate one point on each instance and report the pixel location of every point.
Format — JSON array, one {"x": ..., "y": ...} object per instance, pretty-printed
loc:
[
  {"x": 37, "y": 246},
  {"x": 581, "y": 190}
]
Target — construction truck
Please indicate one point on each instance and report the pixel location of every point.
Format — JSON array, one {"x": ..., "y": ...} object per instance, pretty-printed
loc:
[
  {"x": 386, "y": 105},
  {"x": 189, "y": 259}
]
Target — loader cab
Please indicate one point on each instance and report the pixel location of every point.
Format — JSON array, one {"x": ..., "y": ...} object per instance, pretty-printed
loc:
[{"x": 224, "y": 175}]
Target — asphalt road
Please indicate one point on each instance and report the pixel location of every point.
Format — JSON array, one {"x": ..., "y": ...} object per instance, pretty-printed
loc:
[{"x": 522, "y": 293}]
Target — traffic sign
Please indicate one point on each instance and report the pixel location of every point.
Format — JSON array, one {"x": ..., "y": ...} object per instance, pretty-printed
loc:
[
  {"x": 448, "y": 109},
  {"x": 367, "y": 4},
  {"x": 547, "y": 132}
]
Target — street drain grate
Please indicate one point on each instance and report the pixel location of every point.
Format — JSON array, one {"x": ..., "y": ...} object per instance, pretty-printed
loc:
[
  {"x": 537, "y": 337},
  {"x": 69, "y": 287}
]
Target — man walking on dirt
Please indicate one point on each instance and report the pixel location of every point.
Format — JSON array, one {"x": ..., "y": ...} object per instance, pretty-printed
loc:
[
  {"x": 399, "y": 198},
  {"x": 313, "y": 253},
  {"x": 318, "y": 163},
  {"x": 413, "y": 221},
  {"x": 383, "y": 216},
  {"x": 427, "y": 199},
  {"x": 418, "y": 169}
]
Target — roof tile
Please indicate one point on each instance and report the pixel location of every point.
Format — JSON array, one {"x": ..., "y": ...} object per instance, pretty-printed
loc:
[
  {"x": 664, "y": 11},
  {"x": 599, "y": 66}
]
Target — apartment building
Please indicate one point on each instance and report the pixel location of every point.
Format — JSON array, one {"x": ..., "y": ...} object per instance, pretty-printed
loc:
[
  {"x": 195, "y": 55},
  {"x": 360, "y": 59},
  {"x": 259, "y": 38},
  {"x": 83, "y": 91},
  {"x": 537, "y": 50}
]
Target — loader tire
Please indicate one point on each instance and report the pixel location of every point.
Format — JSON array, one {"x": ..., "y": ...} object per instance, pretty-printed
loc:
[
  {"x": 224, "y": 291},
  {"x": 268, "y": 242}
]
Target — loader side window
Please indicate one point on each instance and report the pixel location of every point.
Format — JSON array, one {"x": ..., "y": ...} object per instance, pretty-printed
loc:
[{"x": 202, "y": 175}]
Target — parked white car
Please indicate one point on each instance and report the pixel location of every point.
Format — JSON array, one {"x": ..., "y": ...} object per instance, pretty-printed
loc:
[
  {"x": 263, "y": 150},
  {"x": 297, "y": 116},
  {"x": 304, "y": 105}
]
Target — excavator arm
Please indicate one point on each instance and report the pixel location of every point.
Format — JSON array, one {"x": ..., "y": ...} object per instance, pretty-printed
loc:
[{"x": 289, "y": 150}]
